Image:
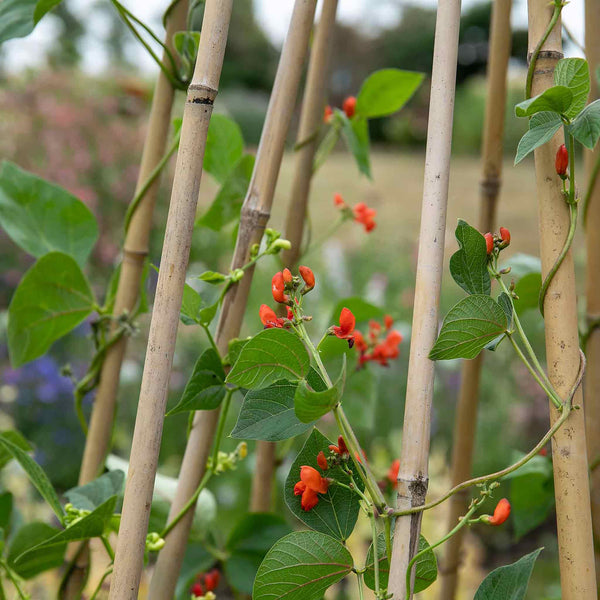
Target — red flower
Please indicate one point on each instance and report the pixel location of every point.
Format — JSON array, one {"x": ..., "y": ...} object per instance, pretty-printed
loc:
[
  {"x": 197, "y": 590},
  {"x": 359, "y": 342},
  {"x": 322, "y": 461},
  {"x": 268, "y": 317},
  {"x": 341, "y": 448},
  {"x": 388, "y": 349},
  {"x": 345, "y": 330},
  {"x": 365, "y": 216},
  {"x": 505, "y": 235},
  {"x": 388, "y": 322},
  {"x": 277, "y": 287},
  {"x": 489, "y": 242},
  {"x": 287, "y": 276},
  {"x": 290, "y": 314},
  {"x": 328, "y": 113},
  {"x": 211, "y": 580},
  {"x": 308, "y": 276},
  {"x": 338, "y": 200},
  {"x": 392, "y": 474},
  {"x": 349, "y": 106},
  {"x": 501, "y": 513},
  {"x": 562, "y": 161},
  {"x": 311, "y": 483}
]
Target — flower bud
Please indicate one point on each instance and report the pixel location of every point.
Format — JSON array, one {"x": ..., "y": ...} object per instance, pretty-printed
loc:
[
  {"x": 278, "y": 245},
  {"x": 308, "y": 276},
  {"x": 489, "y": 242},
  {"x": 501, "y": 513},
  {"x": 322, "y": 461},
  {"x": 287, "y": 276},
  {"x": 349, "y": 106},
  {"x": 277, "y": 288},
  {"x": 505, "y": 235},
  {"x": 338, "y": 200},
  {"x": 562, "y": 161}
]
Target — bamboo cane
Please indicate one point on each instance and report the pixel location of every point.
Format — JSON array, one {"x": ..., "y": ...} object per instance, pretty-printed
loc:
[
  {"x": 135, "y": 250},
  {"x": 466, "y": 410},
  {"x": 413, "y": 474},
  {"x": 254, "y": 216},
  {"x": 167, "y": 303},
  {"x": 311, "y": 118},
  {"x": 592, "y": 380},
  {"x": 574, "y": 524}
]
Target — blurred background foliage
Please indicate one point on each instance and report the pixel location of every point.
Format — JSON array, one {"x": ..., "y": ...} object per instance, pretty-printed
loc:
[{"x": 86, "y": 133}]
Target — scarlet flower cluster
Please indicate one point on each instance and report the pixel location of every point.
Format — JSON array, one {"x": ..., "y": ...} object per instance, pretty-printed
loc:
[
  {"x": 500, "y": 240},
  {"x": 376, "y": 349},
  {"x": 361, "y": 213},
  {"x": 310, "y": 485},
  {"x": 348, "y": 106},
  {"x": 206, "y": 582}
]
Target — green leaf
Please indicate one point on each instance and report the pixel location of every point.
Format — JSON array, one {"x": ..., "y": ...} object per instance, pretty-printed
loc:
[
  {"x": 311, "y": 405},
  {"x": 528, "y": 292},
  {"x": 268, "y": 414},
  {"x": 586, "y": 127},
  {"x": 205, "y": 388},
  {"x": 18, "y": 18},
  {"x": 301, "y": 566},
  {"x": 509, "y": 582},
  {"x": 35, "y": 473},
  {"x": 337, "y": 510},
  {"x": 228, "y": 202},
  {"x": 271, "y": 355},
  {"x": 6, "y": 506},
  {"x": 327, "y": 144},
  {"x": 224, "y": 147},
  {"x": 90, "y": 526},
  {"x": 18, "y": 440},
  {"x": 26, "y": 538},
  {"x": 574, "y": 74},
  {"x": 356, "y": 133},
  {"x": 212, "y": 277},
  {"x": 505, "y": 302},
  {"x": 191, "y": 304},
  {"x": 41, "y": 217},
  {"x": 468, "y": 327},
  {"x": 93, "y": 494},
  {"x": 425, "y": 573},
  {"x": 250, "y": 540},
  {"x": 52, "y": 299},
  {"x": 186, "y": 43},
  {"x": 542, "y": 128},
  {"x": 208, "y": 313},
  {"x": 468, "y": 266},
  {"x": 234, "y": 348},
  {"x": 556, "y": 99},
  {"x": 386, "y": 91}
]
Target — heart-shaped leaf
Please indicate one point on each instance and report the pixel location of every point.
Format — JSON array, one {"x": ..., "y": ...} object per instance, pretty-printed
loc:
[
  {"x": 468, "y": 327},
  {"x": 468, "y": 266},
  {"x": 556, "y": 99},
  {"x": 574, "y": 73},
  {"x": 586, "y": 127},
  {"x": 271, "y": 355},
  {"x": 301, "y": 566},
  {"x": 542, "y": 127},
  {"x": 93, "y": 494}
]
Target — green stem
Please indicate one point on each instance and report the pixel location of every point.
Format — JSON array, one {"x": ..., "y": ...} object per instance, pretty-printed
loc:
[
  {"x": 108, "y": 548},
  {"x": 209, "y": 472},
  {"x": 135, "y": 202},
  {"x": 14, "y": 580},
  {"x": 2, "y": 592},
  {"x": 549, "y": 391},
  {"x": 106, "y": 573},
  {"x": 375, "y": 555},
  {"x": 590, "y": 187},
  {"x": 565, "y": 249},
  {"x": 464, "y": 521},
  {"x": 359, "y": 577},
  {"x": 211, "y": 339},
  {"x": 558, "y": 5},
  {"x": 388, "y": 537},
  {"x": 498, "y": 474}
]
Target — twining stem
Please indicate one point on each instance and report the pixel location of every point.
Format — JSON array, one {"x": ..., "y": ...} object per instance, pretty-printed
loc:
[
  {"x": 464, "y": 521},
  {"x": 359, "y": 577},
  {"x": 106, "y": 573},
  {"x": 558, "y": 5},
  {"x": 108, "y": 548},
  {"x": 590, "y": 188},
  {"x": 572, "y": 202},
  {"x": 151, "y": 179},
  {"x": 498, "y": 474},
  {"x": 551, "y": 394},
  {"x": 209, "y": 472},
  {"x": 375, "y": 555},
  {"x": 388, "y": 537}
]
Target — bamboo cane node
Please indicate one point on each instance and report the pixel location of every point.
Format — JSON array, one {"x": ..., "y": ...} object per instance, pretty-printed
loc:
[
  {"x": 551, "y": 55},
  {"x": 201, "y": 94},
  {"x": 134, "y": 256},
  {"x": 413, "y": 489},
  {"x": 490, "y": 186}
]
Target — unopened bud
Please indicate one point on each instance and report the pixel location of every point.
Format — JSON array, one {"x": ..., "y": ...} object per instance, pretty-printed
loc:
[{"x": 562, "y": 161}]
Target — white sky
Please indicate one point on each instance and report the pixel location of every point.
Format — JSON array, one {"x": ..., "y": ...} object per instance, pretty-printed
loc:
[{"x": 273, "y": 15}]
